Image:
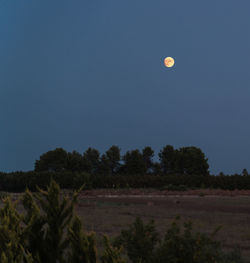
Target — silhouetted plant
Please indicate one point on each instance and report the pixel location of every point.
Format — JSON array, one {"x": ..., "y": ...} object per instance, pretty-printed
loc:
[
  {"x": 111, "y": 254},
  {"x": 139, "y": 241}
]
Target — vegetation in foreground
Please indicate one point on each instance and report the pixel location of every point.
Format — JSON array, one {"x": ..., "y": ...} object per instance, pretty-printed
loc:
[{"x": 50, "y": 231}]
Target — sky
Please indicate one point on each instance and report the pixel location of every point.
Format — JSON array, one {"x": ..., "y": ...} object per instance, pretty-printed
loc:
[{"x": 78, "y": 74}]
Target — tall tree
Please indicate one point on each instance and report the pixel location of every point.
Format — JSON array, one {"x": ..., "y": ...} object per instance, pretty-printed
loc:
[
  {"x": 114, "y": 157},
  {"x": 91, "y": 160},
  {"x": 134, "y": 163},
  {"x": 47, "y": 219},
  {"x": 74, "y": 162},
  {"x": 192, "y": 161},
  {"x": 104, "y": 166},
  {"x": 148, "y": 154},
  {"x": 55, "y": 160},
  {"x": 167, "y": 158},
  {"x": 244, "y": 172}
]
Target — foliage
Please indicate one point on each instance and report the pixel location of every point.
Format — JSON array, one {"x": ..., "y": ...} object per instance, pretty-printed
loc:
[
  {"x": 48, "y": 216},
  {"x": 168, "y": 159},
  {"x": 104, "y": 168},
  {"x": 91, "y": 160},
  {"x": 49, "y": 231},
  {"x": 244, "y": 172},
  {"x": 191, "y": 160},
  {"x": 3, "y": 195},
  {"x": 81, "y": 179},
  {"x": 83, "y": 246},
  {"x": 147, "y": 155},
  {"x": 233, "y": 256},
  {"x": 75, "y": 162},
  {"x": 139, "y": 241},
  {"x": 12, "y": 235},
  {"x": 179, "y": 244},
  {"x": 19, "y": 181},
  {"x": 134, "y": 163},
  {"x": 186, "y": 160},
  {"x": 113, "y": 157},
  {"x": 111, "y": 254},
  {"x": 54, "y": 161}
]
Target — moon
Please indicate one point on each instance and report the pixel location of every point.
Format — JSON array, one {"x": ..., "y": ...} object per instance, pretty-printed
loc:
[{"x": 169, "y": 62}]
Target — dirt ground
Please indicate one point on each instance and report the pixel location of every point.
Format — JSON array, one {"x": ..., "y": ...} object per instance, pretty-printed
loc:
[
  {"x": 110, "y": 211},
  {"x": 154, "y": 192}
]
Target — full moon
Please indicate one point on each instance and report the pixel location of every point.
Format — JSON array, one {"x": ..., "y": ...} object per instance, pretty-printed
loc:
[{"x": 168, "y": 62}]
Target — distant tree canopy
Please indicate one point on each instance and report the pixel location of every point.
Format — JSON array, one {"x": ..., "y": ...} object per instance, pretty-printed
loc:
[
  {"x": 192, "y": 161},
  {"x": 134, "y": 163},
  {"x": 91, "y": 160},
  {"x": 147, "y": 155},
  {"x": 75, "y": 162},
  {"x": 110, "y": 161},
  {"x": 244, "y": 172},
  {"x": 53, "y": 161},
  {"x": 185, "y": 160},
  {"x": 113, "y": 156},
  {"x": 168, "y": 160}
]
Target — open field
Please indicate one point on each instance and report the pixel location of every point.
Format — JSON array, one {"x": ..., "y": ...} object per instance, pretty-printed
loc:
[{"x": 109, "y": 211}]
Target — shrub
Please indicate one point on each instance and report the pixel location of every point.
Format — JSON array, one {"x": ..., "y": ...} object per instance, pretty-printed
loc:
[
  {"x": 3, "y": 195},
  {"x": 48, "y": 231},
  {"x": 12, "y": 247},
  {"x": 180, "y": 244},
  {"x": 111, "y": 254},
  {"x": 139, "y": 241}
]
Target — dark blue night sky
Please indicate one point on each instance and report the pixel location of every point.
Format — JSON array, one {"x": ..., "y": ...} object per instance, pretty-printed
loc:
[{"x": 81, "y": 73}]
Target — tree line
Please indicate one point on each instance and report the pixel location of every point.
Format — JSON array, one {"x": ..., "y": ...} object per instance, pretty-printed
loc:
[
  {"x": 176, "y": 169},
  {"x": 185, "y": 160}
]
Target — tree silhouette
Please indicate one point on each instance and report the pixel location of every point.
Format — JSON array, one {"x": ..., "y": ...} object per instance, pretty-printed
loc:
[
  {"x": 91, "y": 160},
  {"x": 113, "y": 157},
  {"x": 55, "y": 161},
  {"x": 134, "y": 163},
  {"x": 75, "y": 162},
  {"x": 191, "y": 160},
  {"x": 148, "y": 154},
  {"x": 168, "y": 159}
]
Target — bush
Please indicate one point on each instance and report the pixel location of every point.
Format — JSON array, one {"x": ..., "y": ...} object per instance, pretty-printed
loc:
[
  {"x": 3, "y": 195},
  {"x": 48, "y": 231},
  {"x": 139, "y": 241},
  {"x": 180, "y": 244}
]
